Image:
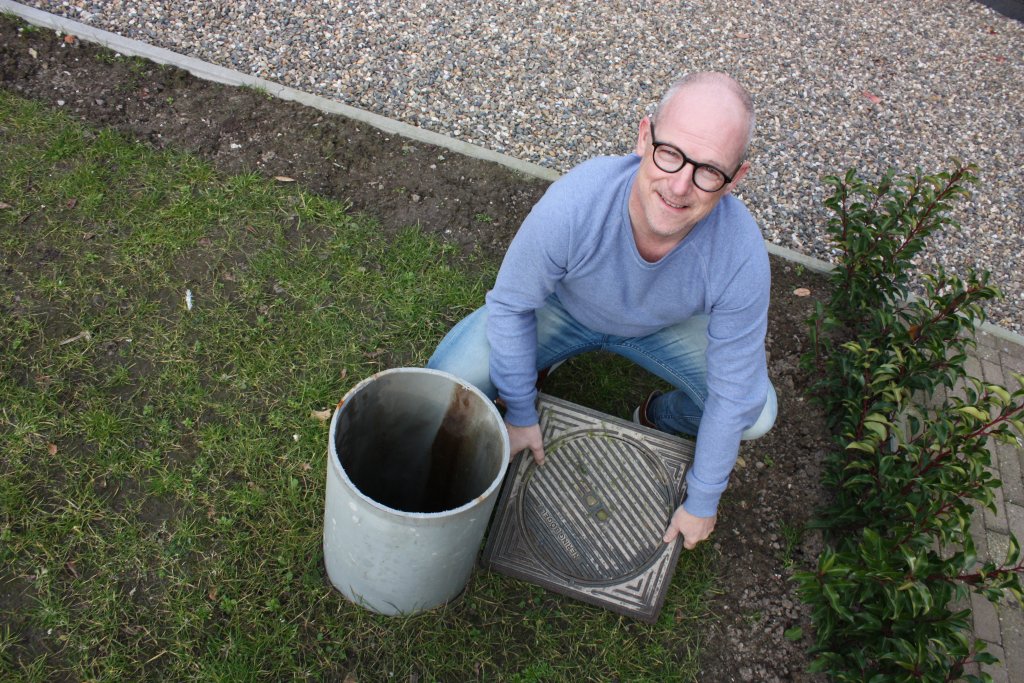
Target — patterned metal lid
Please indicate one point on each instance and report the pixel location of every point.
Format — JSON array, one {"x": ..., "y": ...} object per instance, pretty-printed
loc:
[{"x": 588, "y": 523}]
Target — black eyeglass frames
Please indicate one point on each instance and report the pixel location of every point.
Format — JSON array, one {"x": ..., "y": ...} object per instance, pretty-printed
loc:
[{"x": 671, "y": 159}]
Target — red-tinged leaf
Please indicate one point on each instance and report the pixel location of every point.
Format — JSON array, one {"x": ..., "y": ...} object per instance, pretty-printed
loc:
[
  {"x": 875, "y": 99},
  {"x": 69, "y": 39},
  {"x": 51, "y": 448}
]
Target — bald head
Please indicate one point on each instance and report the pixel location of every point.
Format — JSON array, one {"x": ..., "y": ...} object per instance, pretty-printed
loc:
[{"x": 725, "y": 86}]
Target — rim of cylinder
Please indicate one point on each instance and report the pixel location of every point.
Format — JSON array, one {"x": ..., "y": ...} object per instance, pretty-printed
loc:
[{"x": 334, "y": 461}]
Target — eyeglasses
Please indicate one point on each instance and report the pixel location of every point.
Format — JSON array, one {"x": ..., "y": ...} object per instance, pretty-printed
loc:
[{"x": 671, "y": 159}]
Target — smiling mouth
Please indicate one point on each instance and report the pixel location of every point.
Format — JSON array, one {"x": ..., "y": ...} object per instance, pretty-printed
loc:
[{"x": 670, "y": 204}]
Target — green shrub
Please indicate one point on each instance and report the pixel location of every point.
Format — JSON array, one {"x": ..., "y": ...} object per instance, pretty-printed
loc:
[{"x": 910, "y": 428}]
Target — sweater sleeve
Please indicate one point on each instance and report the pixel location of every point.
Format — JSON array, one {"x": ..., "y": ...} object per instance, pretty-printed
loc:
[
  {"x": 533, "y": 264},
  {"x": 737, "y": 380}
]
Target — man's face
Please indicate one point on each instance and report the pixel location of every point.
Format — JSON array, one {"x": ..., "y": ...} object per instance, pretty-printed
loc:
[{"x": 708, "y": 125}]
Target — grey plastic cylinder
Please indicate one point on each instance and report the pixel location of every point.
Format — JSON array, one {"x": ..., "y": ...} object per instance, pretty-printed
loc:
[{"x": 416, "y": 458}]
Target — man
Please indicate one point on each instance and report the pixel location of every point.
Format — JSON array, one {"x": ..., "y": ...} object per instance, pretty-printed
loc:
[{"x": 648, "y": 256}]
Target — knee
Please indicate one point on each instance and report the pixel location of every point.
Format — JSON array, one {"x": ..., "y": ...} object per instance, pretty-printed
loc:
[
  {"x": 766, "y": 420},
  {"x": 465, "y": 353},
  {"x": 467, "y": 367}
]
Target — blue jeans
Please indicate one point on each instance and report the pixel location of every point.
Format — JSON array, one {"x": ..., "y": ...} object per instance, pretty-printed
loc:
[{"x": 675, "y": 354}]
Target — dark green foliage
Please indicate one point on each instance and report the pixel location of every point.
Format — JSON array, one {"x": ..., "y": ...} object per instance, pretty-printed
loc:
[{"x": 910, "y": 430}]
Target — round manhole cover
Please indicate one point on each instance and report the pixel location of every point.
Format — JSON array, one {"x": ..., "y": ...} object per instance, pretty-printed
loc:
[{"x": 596, "y": 510}]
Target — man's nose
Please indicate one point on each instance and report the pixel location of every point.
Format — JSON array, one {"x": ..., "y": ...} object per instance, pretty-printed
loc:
[{"x": 682, "y": 180}]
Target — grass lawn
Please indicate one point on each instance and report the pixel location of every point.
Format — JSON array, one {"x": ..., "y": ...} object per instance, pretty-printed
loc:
[{"x": 161, "y": 470}]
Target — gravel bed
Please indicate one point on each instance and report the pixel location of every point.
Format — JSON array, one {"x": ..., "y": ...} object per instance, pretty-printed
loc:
[{"x": 839, "y": 84}]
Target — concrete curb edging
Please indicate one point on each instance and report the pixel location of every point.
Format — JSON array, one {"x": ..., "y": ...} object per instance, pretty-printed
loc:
[{"x": 219, "y": 74}]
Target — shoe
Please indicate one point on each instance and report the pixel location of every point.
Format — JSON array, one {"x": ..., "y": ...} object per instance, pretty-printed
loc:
[
  {"x": 543, "y": 374},
  {"x": 640, "y": 414}
]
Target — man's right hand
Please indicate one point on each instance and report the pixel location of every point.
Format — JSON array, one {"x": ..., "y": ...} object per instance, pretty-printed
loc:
[{"x": 522, "y": 438}]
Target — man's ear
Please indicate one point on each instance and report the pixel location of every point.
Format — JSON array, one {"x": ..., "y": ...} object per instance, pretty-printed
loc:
[
  {"x": 744, "y": 167},
  {"x": 643, "y": 134}
]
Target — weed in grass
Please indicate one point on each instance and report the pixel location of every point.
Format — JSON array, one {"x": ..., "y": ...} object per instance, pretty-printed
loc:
[
  {"x": 792, "y": 536},
  {"x": 258, "y": 90}
]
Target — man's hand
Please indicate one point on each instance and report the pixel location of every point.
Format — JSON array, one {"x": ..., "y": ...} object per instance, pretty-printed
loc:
[
  {"x": 520, "y": 438},
  {"x": 694, "y": 529}
]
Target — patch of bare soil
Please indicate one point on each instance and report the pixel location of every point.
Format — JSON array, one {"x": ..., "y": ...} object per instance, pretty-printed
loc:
[{"x": 478, "y": 205}]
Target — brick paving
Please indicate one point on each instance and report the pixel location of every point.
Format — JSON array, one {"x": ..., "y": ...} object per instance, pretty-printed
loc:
[{"x": 1001, "y": 626}]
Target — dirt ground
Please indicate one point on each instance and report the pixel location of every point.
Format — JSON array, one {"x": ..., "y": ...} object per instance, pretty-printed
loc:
[{"x": 478, "y": 205}]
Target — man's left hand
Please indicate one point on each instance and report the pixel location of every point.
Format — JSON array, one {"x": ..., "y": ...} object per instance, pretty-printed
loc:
[{"x": 694, "y": 529}]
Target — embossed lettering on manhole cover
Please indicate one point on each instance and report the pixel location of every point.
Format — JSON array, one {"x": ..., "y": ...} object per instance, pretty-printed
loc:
[{"x": 589, "y": 522}]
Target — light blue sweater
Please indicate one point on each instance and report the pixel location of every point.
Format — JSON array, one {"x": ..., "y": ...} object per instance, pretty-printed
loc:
[{"x": 578, "y": 243}]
